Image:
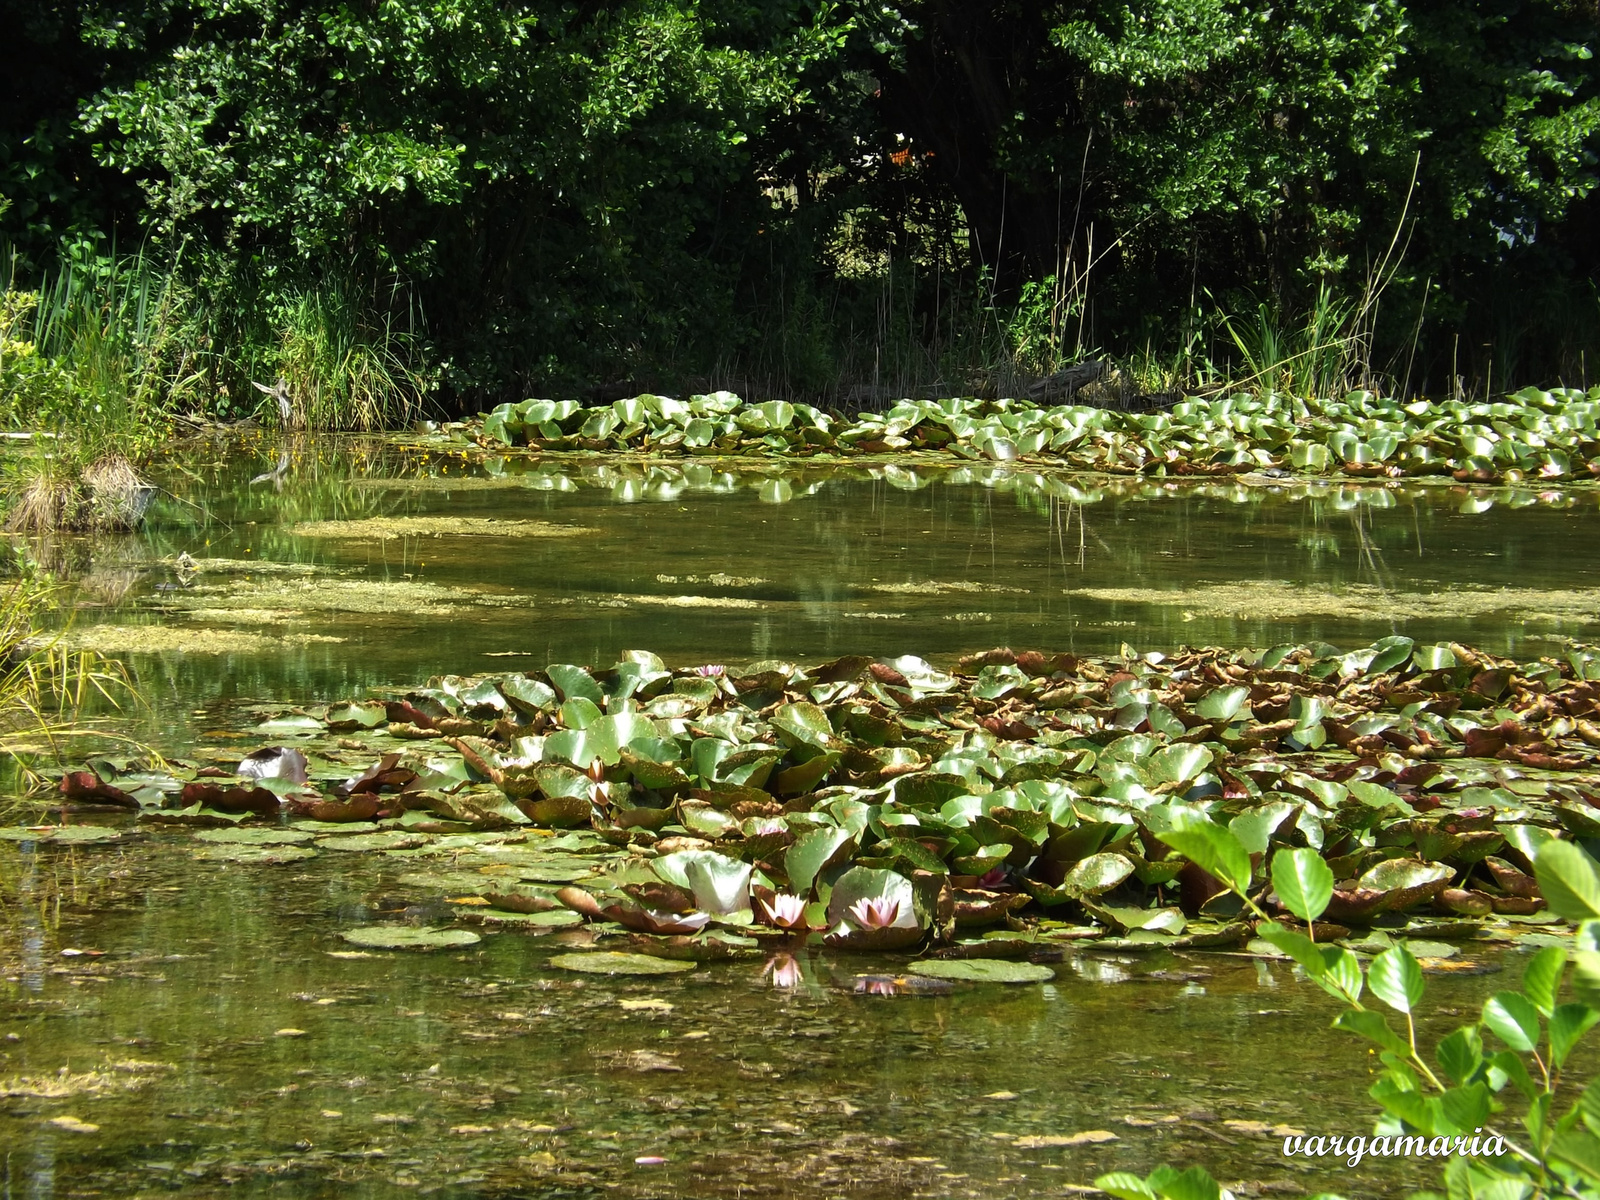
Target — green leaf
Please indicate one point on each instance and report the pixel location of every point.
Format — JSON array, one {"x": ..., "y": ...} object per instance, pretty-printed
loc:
[
  {"x": 575, "y": 683},
  {"x": 1466, "y": 1107},
  {"x": 1303, "y": 881},
  {"x": 1568, "y": 1023},
  {"x": 1125, "y": 1186},
  {"x": 803, "y": 724},
  {"x": 1396, "y": 979},
  {"x": 1580, "y": 1148},
  {"x": 1513, "y": 1019},
  {"x": 810, "y": 853},
  {"x": 1541, "y": 978},
  {"x": 1569, "y": 881},
  {"x": 1223, "y": 704},
  {"x": 1210, "y": 847},
  {"x": 1461, "y": 1054},
  {"x": 1372, "y": 1026},
  {"x": 1098, "y": 873},
  {"x": 1296, "y": 945}
]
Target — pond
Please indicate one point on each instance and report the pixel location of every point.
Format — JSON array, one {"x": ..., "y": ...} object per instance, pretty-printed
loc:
[
  {"x": 174, "y": 1021},
  {"x": 366, "y": 564}
]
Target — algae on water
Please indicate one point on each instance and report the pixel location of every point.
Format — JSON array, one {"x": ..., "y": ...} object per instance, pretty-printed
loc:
[
  {"x": 388, "y": 528},
  {"x": 1269, "y": 600},
  {"x": 160, "y": 639}
]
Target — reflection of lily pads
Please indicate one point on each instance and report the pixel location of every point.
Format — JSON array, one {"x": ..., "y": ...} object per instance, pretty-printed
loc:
[
  {"x": 388, "y": 840},
  {"x": 254, "y": 837},
  {"x": 407, "y": 937},
  {"x": 255, "y": 854},
  {"x": 983, "y": 970},
  {"x": 612, "y": 962}
]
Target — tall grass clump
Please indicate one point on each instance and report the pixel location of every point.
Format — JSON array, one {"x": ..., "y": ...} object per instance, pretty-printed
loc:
[
  {"x": 344, "y": 366},
  {"x": 44, "y": 684}
]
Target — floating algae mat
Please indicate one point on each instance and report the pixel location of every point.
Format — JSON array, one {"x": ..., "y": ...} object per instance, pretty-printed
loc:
[
  {"x": 1257, "y": 600},
  {"x": 386, "y": 528}
]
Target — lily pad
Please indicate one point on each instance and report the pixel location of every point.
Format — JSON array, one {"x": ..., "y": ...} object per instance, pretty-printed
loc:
[
  {"x": 254, "y": 837},
  {"x": 79, "y": 835},
  {"x": 408, "y": 937},
  {"x": 540, "y": 922},
  {"x": 614, "y": 962},
  {"x": 391, "y": 839},
  {"x": 983, "y": 970},
  {"x": 255, "y": 854}
]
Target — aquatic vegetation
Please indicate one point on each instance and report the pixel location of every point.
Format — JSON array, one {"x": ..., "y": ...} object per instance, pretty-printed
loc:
[
  {"x": 1451, "y": 1113},
  {"x": 388, "y": 528},
  {"x": 1136, "y": 801},
  {"x": 1534, "y": 435}
]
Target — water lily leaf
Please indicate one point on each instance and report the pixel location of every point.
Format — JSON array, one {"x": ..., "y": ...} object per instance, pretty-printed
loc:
[
  {"x": 812, "y": 852},
  {"x": 255, "y": 854},
  {"x": 619, "y": 963},
  {"x": 1098, "y": 873},
  {"x": 575, "y": 682},
  {"x": 407, "y": 937},
  {"x": 983, "y": 970},
  {"x": 254, "y": 837},
  {"x": 1406, "y": 881},
  {"x": 1254, "y": 827},
  {"x": 803, "y": 724},
  {"x": 1224, "y": 704},
  {"x": 343, "y": 718},
  {"x": 529, "y": 696},
  {"x": 393, "y": 839},
  {"x": 1178, "y": 764}
]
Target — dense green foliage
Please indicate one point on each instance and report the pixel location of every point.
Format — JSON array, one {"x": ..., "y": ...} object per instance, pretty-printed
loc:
[{"x": 803, "y": 195}]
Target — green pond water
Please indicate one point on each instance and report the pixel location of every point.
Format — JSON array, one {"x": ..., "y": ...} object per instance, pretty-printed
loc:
[{"x": 487, "y": 1072}]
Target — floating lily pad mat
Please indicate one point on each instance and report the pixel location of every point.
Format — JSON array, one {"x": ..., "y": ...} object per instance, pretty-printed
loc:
[
  {"x": 255, "y": 854},
  {"x": 983, "y": 970},
  {"x": 614, "y": 962},
  {"x": 254, "y": 837},
  {"x": 394, "y": 527},
  {"x": 406, "y": 937},
  {"x": 341, "y": 827}
]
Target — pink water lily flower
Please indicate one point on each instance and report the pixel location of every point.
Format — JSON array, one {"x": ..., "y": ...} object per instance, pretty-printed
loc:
[
  {"x": 783, "y": 970},
  {"x": 869, "y": 913},
  {"x": 784, "y": 911},
  {"x": 710, "y": 670}
]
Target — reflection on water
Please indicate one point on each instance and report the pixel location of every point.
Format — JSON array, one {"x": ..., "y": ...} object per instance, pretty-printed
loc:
[
  {"x": 699, "y": 560},
  {"x": 223, "y": 1035}
]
